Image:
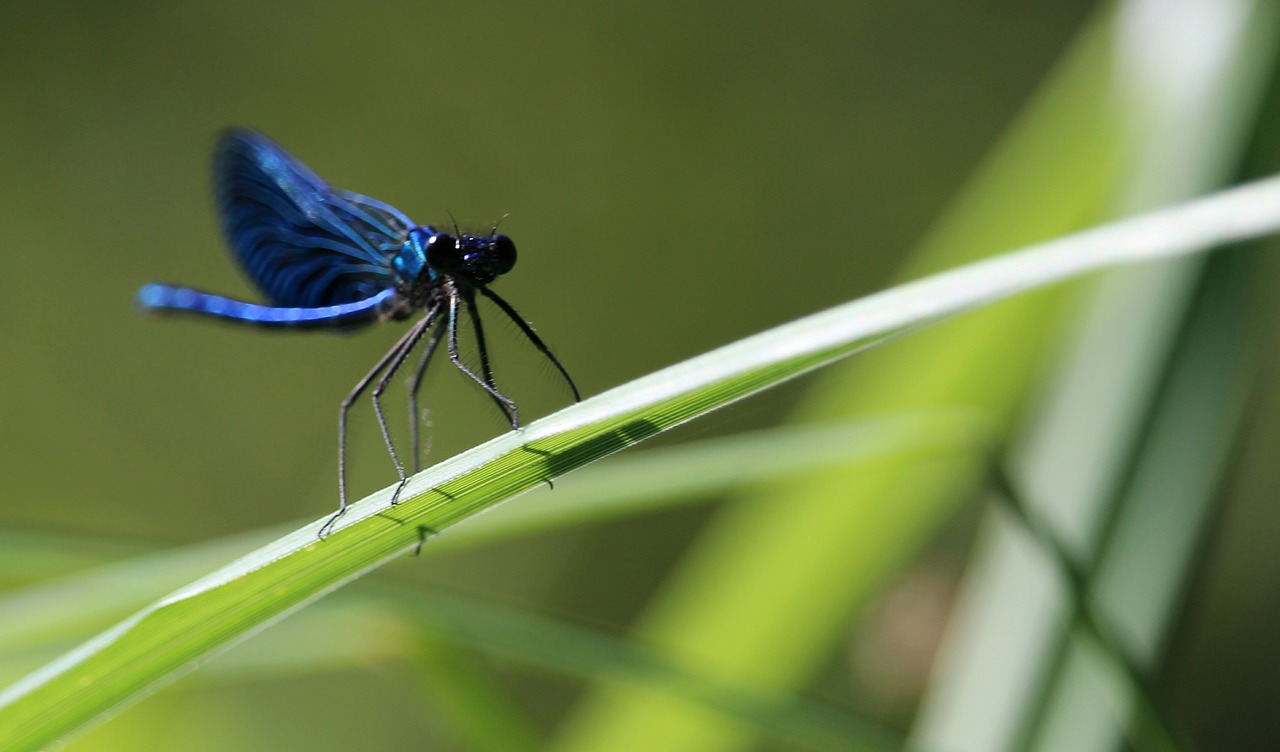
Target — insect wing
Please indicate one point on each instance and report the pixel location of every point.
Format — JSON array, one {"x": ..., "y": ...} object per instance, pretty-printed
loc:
[{"x": 303, "y": 243}]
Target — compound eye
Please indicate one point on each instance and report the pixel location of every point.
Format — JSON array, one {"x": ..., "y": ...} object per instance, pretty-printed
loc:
[
  {"x": 443, "y": 253},
  {"x": 502, "y": 254}
]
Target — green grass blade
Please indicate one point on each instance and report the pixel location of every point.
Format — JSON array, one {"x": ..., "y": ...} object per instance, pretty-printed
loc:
[
  {"x": 568, "y": 650},
  {"x": 1009, "y": 632},
  {"x": 691, "y": 472},
  {"x": 1146, "y": 550},
  {"x": 170, "y": 636},
  {"x": 769, "y": 588},
  {"x": 395, "y": 625},
  {"x": 74, "y": 605},
  {"x": 482, "y": 712}
]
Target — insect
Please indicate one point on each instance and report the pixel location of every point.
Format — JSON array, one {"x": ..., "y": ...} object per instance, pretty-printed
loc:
[{"x": 326, "y": 258}]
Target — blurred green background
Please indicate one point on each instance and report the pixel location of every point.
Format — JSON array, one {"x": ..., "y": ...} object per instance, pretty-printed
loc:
[{"x": 676, "y": 176}]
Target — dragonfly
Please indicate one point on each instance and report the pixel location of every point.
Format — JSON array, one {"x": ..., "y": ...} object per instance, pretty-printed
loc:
[{"x": 326, "y": 258}]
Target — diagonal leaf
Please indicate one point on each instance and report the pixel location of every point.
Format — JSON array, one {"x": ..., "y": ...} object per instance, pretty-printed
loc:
[
  {"x": 169, "y": 637},
  {"x": 35, "y": 619},
  {"x": 768, "y": 589}
]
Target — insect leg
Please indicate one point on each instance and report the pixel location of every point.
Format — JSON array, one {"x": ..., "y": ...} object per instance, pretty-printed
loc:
[
  {"x": 469, "y": 299},
  {"x": 415, "y": 383},
  {"x": 363, "y": 384},
  {"x": 457, "y": 361},
  {"x": 532, "y": 337},
  {"x": 415, "y": 334}
]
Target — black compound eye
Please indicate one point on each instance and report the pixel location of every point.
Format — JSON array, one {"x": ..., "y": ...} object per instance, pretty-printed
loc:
[
  {"x": 443, "y": 253},
  {"x": 502, "y": 254}
]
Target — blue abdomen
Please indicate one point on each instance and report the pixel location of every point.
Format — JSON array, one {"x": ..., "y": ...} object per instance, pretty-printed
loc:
[{"x": 156, "y": 297}]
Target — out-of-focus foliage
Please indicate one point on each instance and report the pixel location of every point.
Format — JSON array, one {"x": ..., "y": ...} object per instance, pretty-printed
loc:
[{"x": 676, "y": 177}]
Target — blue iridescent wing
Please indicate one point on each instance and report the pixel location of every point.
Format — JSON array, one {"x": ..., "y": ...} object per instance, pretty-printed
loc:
[{"x": 303, "y": 243}]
